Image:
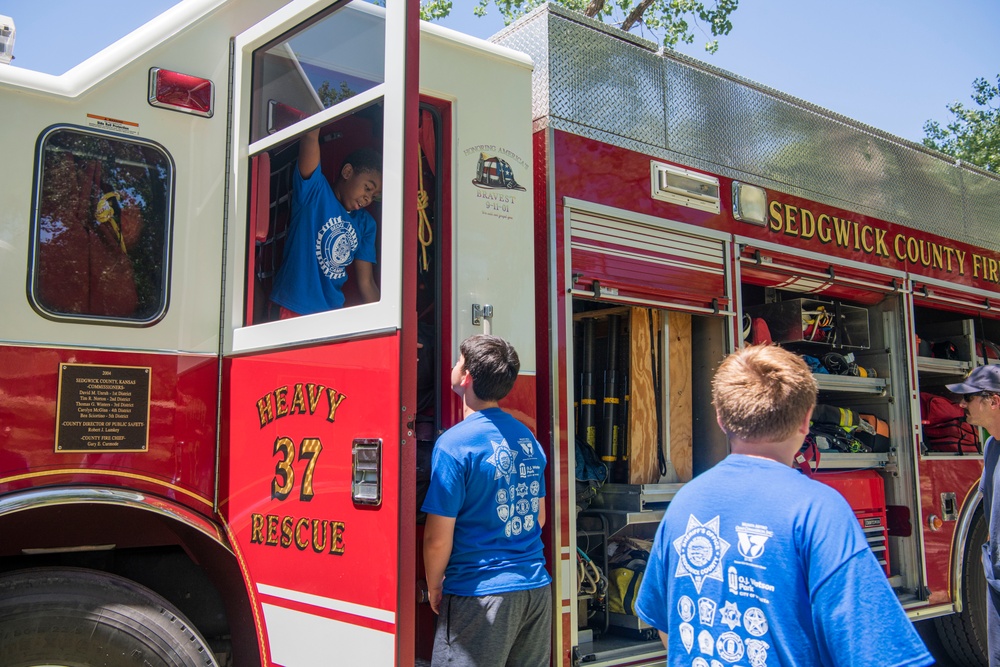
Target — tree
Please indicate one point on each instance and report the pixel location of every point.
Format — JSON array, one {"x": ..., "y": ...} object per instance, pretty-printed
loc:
[
  {"x": 974, "y": 133},
  {"x": 330, "y": 96},
  {"x": 664, "y": 20}
]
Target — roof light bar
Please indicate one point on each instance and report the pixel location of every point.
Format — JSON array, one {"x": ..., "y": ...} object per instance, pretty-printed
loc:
[
  {"x": 7, "y": 34},
  {"x": 181, "y": 92}
]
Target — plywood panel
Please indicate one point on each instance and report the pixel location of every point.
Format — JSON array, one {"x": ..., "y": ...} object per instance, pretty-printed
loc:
[
  {"x": 643, "y": 464},
  {"x": 679, "y": 344}
]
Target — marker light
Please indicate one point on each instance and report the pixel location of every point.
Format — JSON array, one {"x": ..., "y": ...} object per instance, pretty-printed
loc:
[
  {"x": 685, "y": 187},
  {"x": 749, "y": 203},
  {"x": 934, "y": 522},
  {"x": 181, "y": 92}
]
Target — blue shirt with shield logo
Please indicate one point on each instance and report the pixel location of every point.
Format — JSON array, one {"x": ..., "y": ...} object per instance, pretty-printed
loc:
[
  {"x": 487, "y": 472},
  {"x": 755, "y": 563}
]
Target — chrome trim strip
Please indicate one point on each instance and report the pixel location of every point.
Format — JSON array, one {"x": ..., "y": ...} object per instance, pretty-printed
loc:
[
  {"x": 27, "y": 500},
  {"x": 653, "y": 303},
  {"x": 924, "y": 613},
  {"x": 958, "y": 547},
  {"x": 819, "y": 257},
  {"x": 106, "y": 348}
]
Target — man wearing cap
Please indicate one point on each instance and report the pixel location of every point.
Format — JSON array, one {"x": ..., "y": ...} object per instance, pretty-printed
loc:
[{"x": 980, "y": 398}]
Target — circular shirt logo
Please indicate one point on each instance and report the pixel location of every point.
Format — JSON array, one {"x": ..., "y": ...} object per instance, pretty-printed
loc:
[{"x": 335, "y": 246}]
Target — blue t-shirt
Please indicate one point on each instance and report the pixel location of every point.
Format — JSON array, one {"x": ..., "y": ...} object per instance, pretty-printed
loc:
[
  {"x": 488, "y": 473},
  {"x": 755, "y": 563},
  {"x": 323, "y": 239},
  {"x": 988, "y": 483}
]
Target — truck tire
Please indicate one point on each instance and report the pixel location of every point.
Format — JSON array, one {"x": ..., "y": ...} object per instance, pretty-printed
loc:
[
  {"x": 86, "y": 618},
  {"x": 963, "y": 635}
]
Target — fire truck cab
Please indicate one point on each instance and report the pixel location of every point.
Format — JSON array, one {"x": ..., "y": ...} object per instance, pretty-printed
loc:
[
  {"x": 175, "y": 441},
  {"x": 169, "y": 440}
]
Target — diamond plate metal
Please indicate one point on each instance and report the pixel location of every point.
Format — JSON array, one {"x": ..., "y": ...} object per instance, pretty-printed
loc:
[
  {"x": 982, "y": 208},
  {"x": 755, "y": 133},
  {"x": 605, "y": 83},
  {"x": 619, "y": 89},
  {"x": 590, "y": 77},
  {"x": 530, "y": 35}
]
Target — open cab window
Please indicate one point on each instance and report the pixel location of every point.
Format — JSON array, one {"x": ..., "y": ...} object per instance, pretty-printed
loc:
[
  {"x": 328, "y": 61},
  {"x": 317, "y": 247},
  {"x": 324, "y": 205},
  {"x": 101, "y": 228}
]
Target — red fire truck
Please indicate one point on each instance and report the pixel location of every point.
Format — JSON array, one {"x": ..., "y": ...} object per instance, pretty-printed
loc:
[{"x": 187, "y": 478}]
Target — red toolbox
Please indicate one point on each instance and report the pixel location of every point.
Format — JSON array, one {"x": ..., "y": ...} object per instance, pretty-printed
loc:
[{"x": 865, "y": 493}]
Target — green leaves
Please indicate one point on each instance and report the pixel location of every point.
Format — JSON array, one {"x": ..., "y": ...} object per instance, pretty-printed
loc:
[
  {"x": 431, "y": 10},
  {"x": 973, "y": 135},
  {"x": 669, "y": 22}
]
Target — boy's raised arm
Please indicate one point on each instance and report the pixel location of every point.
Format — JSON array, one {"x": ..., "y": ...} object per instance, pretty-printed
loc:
[{"x": 309, "y": 153}]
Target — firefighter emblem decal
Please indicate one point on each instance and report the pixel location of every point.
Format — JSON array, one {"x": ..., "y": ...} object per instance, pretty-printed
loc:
[
  {"x": 496, "y": 192},
  {"x": 494, "y": 172}
]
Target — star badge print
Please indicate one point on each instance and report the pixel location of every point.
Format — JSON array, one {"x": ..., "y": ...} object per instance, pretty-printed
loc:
[{"x": 701, "y": 550}]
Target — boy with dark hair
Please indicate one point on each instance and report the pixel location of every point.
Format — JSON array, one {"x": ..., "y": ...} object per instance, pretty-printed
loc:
[
  {"x": 755, "y": 563},
  {"x": 329, "y": 230},
  {"x": 485, "y": 509}
]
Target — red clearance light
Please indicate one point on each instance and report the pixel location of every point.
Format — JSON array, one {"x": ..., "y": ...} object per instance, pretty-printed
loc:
[{"x": 181, "y": 92}]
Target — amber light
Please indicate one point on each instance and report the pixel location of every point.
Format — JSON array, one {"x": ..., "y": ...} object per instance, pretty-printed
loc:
[
  {"x": 934, "y": 522},
  {"x": 181, "y": 92}
]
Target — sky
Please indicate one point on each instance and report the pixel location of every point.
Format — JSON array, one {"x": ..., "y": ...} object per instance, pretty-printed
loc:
[{"x": 892, "y": 64}]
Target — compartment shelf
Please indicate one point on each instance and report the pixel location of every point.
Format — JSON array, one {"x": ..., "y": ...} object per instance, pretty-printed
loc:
[
  {"x": 934, "y": 366},
  {"x": 850, "y": 383},
  {"x": 619, "y": 519},
  {"x": 635, "y": 497},
  {"x": 843, "y": 460},
  {"x": 615, "y": 650},
  {"x": 815, "y": 322}
]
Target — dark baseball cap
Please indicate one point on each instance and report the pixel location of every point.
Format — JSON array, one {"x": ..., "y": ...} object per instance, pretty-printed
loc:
[{"x": 982, "y": 378}]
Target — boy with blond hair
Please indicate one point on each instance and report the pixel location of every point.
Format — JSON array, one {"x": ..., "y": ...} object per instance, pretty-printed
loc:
[{"x": 755, "y": 563}]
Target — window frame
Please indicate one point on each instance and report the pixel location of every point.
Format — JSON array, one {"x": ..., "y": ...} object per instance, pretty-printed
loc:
[
  {"x": 367, "y": 319},
  {"x": 33, "y": 265}
]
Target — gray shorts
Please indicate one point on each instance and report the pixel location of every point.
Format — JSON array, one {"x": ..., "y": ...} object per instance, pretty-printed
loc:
[{"x": 509, "y": 629}]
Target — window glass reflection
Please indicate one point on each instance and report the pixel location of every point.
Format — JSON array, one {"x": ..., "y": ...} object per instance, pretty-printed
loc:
[
  {"x": 101, "y": 227},
  {"x": 318, "y": 66}
]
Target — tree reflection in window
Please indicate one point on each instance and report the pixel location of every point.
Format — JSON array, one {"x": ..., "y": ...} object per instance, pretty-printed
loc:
[{"x": 101, "y": 228}]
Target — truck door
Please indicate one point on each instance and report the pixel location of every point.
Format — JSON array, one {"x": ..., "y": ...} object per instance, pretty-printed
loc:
[{"x": 316, "y": 453}]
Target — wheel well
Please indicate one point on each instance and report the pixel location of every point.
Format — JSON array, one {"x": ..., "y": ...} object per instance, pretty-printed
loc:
[{"x": 193, "y": 571}]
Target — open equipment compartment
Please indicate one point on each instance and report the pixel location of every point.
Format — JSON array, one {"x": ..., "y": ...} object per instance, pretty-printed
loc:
[
  {"x": 641, "y": 381},
  {"x": 855, "y": 341}
]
